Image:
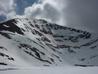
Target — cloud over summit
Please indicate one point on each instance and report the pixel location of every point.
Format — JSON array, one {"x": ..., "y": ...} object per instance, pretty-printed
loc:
[
  {"x": 47, "y": 9},
  {"x": 82, "y": 14}
]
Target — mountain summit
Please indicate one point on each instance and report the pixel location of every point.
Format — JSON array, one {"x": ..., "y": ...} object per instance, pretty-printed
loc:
[{"x": 36, "y": 42}]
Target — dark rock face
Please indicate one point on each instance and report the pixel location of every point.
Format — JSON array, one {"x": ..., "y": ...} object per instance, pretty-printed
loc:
[{"x": 10, "y": 26}]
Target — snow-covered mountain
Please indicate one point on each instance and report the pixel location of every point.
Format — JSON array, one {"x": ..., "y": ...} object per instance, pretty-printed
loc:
[{"x": 36, "y": 42}]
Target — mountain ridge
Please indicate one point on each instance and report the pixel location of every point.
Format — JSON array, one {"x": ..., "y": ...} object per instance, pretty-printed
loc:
[{"x": 36, "y": 42}]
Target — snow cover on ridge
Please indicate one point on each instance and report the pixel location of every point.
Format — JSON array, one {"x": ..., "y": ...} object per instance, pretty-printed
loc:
[{"x": 26, "y": 42}]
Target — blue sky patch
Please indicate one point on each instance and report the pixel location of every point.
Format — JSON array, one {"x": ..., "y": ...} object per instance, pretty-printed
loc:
[{"x": 22, "y": 4}]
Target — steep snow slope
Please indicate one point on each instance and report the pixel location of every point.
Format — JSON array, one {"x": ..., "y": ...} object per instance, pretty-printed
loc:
[{"x": 36, "y": 42}]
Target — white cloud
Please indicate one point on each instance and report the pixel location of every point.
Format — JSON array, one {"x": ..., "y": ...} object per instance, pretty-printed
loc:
[
  {"x": 51, "y": 10},
  {"x": 70, "y": 12},
  {"x": 7, "y": 8},
  {"x": 48, "y": 9}
]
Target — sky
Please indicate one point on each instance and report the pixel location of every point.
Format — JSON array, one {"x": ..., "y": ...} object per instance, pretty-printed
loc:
[{"x": 81, "y": 14}]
